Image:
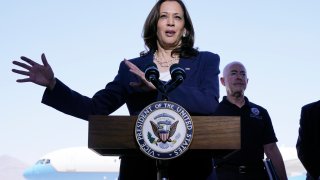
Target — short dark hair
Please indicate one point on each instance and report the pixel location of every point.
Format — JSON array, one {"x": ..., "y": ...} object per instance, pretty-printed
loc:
[{"x": 149, "y": 33}]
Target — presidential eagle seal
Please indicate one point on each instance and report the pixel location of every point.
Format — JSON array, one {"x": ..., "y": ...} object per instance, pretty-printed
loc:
[{"x": 164, "y": 130}]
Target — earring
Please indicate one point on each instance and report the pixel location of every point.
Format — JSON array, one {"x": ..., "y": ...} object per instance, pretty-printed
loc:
[{"x": 184, "y": 34}]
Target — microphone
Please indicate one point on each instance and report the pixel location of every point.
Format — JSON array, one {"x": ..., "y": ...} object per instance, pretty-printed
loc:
[
  {"x": 177, "y": 73},
  {"x": 151, "y": 72},
  {"x": 177, "y": 77},
  {"x": 152, "y": 75}
]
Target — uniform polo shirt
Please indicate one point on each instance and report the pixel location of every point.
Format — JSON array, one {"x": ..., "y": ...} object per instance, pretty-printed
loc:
[{"x": 256, "y": 131}]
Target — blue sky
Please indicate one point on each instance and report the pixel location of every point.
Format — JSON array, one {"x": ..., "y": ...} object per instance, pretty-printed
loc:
[{"x": 278, "y": 42}]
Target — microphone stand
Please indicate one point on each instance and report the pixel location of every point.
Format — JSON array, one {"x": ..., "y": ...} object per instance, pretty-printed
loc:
[
  {"x": 168, "y": 87},
  {"x": 163, "y": 165},
  {"x": 164, "y": 97},
  {"x": 162, "y": 169}
]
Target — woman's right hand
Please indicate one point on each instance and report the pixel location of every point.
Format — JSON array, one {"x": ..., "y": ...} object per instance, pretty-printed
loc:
[
  {"x": 36, "y": 73},
  {"x": 144, "y": 84}
]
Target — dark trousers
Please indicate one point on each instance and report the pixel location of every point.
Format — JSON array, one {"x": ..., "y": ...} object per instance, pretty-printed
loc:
[{"x": 241, "y": 173}]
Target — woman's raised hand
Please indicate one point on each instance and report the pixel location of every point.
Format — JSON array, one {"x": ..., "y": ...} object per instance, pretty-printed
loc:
[
  {"x": 36, "y": 73},
  {"x": 143, "y": 84}
]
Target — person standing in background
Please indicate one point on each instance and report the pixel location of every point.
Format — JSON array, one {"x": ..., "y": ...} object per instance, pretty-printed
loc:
[
  {"x": 257, "y": 134},
  {"x": 168, "y": 34},
  {"x": 308, "y": 143}
]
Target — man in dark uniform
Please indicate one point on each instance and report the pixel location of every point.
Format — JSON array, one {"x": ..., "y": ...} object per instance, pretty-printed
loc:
[
  {"x": 308, "y": 143},
  {"x": 257, "y": 134}
]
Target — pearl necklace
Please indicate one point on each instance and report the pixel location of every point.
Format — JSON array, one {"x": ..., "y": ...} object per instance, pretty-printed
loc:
[{"x": 165, "y": 63}]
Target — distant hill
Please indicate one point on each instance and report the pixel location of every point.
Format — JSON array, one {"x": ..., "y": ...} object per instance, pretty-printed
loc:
[{"x": 11, "y": 168}]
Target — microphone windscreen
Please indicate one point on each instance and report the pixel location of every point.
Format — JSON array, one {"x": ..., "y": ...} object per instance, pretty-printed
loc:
[
  {"x": 176, "y": 71},
  {"x": 151, "y": 72}
]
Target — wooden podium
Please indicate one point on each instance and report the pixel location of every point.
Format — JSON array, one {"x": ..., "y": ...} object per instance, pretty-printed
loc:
[{"x": 114, "y": 135}]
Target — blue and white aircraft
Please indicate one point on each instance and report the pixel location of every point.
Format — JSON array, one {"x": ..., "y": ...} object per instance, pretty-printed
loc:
[{"x": 79, "y": 163}]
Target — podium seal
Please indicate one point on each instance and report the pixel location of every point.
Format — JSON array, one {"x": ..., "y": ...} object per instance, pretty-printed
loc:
[{"x": 164, "y": 130}]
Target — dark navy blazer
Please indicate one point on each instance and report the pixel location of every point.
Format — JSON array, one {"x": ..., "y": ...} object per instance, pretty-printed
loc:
[{"x": 198, "y": 94}]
